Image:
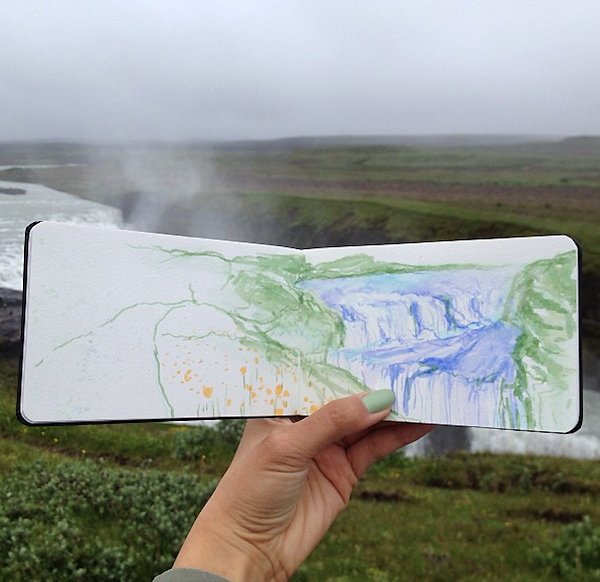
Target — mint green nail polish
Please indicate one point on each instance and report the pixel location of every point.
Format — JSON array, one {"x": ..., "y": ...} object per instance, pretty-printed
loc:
[{"x": 379, "y": 400}]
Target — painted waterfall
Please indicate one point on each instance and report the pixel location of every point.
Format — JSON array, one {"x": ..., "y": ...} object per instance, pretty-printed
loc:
[{"x": 466, "y": 346}]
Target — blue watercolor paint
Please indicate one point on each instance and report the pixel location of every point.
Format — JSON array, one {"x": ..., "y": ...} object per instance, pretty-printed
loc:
[{"x": 425, "y": 329}]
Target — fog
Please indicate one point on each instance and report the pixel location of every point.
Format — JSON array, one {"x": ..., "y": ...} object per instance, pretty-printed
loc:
[{"x": 237, "y": 70}]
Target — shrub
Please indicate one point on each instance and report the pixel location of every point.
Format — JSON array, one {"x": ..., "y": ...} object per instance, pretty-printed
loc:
[
  {"x": 86, "y": 520},
  {"x": 575, "y": 553},
  {"x": 230, "y": 431},
  {"x": 392, "y": 464},
  {"x": 192, "y": 442},
  {"x": 485, "y": 473}
]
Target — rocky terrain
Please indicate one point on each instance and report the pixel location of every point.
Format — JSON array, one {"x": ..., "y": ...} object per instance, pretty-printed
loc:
[{"x": 10, "y": 322}]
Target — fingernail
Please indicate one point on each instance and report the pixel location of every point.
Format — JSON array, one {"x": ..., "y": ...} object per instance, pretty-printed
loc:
[{"x": 379, "y": 400}]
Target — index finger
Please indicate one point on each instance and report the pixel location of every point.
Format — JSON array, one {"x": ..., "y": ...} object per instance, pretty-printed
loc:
[{"x": 380, "y": 443}]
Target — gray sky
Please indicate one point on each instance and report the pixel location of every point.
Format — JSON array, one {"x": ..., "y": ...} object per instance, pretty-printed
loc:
[{"x": 141, "y": 69}]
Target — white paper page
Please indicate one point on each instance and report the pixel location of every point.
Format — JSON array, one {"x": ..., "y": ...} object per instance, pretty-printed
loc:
[{"x": 126, "y": 325}]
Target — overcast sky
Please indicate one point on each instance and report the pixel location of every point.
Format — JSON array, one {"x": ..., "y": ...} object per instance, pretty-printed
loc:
[{"x": 140, "y": 69}]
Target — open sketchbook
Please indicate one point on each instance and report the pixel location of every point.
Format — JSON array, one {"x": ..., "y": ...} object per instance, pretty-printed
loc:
[{"x": 122, "y": 326}]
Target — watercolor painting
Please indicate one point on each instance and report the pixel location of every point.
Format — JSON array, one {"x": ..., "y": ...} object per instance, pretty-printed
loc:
[{"x": 230, "y": 329}]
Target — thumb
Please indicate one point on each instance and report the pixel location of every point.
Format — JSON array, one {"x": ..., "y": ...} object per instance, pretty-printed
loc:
[{"x": 340, "y": 418}]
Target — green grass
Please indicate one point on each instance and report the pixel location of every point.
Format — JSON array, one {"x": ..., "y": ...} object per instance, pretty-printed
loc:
[
  {"x": 463, "y": 517},
  {"x": 121, "y": 509},
  {"x": 384, "y": 163},
  {"x": 438, "y": 534}
]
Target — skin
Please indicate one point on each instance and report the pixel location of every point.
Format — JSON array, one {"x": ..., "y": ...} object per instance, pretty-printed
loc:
[{"x": 286, "y": 485}]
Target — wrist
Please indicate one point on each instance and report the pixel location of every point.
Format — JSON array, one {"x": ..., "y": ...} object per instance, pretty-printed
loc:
[{"x": 219, "y": 550}]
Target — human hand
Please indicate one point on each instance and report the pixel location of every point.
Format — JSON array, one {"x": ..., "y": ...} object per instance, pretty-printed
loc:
[{"x": 287, "y": 483}]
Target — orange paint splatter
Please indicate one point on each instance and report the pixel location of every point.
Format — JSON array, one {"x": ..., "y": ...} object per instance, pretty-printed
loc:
[
  {"x": 279, "y": 389},
  {"x": 243, "y": 370},
  {"x": 313, "y": 408},
  {"x": 279, "y": 411},
  {"x": 207, "y": 391}
]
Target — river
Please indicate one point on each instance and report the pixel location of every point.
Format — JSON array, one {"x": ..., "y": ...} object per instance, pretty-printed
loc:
[{"x": 26, "y": 203}]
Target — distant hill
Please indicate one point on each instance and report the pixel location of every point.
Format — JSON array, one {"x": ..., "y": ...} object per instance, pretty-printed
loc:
[
  {"x": 42, "y": 152},
  {"x": 416, "y": 141},
  {"x": 584, "y": 145}
]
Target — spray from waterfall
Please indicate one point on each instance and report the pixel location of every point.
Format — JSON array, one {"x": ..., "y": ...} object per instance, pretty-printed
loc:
[{"x": 173, "y": 190}]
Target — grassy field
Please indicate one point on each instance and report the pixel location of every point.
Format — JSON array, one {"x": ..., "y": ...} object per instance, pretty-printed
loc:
[{"x": 114, "y": 502}]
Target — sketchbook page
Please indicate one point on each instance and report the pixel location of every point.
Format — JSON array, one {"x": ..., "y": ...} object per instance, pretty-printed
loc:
[
  {"x": 123, "y": 325},
  {"x": 475, "y": 333}
]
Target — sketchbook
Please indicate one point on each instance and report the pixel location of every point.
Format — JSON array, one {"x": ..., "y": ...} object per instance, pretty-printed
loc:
[{"x": 131, "y": 326}]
